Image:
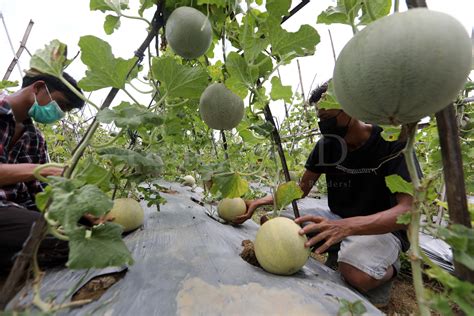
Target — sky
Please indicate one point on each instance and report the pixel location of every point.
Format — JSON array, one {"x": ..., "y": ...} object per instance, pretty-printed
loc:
[{"x": 68, "y": 20}]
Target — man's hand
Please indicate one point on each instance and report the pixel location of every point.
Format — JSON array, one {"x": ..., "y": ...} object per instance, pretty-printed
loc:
[
  {"x": 52, "y": 171},
  {"x": 251, "y": 207},
  {"x": 333, "y": 231}
]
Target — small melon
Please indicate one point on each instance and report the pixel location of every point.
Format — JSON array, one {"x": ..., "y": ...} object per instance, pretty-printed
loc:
[
  {"x": 229, "y": 209},
  {"x": 403, "y": 67},
  {"x": 128, "y": 213},
  {"x": 279, "y": 248},
  {"x": 220, "y": 108},
  {"x": 189, "y": 181},
  {"x": 188, "y": 32}
]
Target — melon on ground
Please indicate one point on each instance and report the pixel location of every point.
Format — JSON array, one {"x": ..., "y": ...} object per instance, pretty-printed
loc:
[
  {"x": 220, "y": 108},
  {"x": 188, "y": 32},
  {"x": 189, "y": 181},
  {"x": 229, "y": 209},
  {"x": 279, "y": 248},
  {"x": 403, "y": 67},
  {"x": 128, "y": 213}
]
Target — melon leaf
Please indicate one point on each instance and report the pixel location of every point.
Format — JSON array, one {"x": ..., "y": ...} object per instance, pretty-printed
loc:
[
  {"x": 179, "y": 80},
  {"x": 104, "y": 248},
  {"x": 286, "y": 193},
  {"x": 129, "y": 115},
  {"x": 397, "y": 184},
  {"x": 108, "y": 5},
  {"x": 230, "y": 186},
  {"x": 218, "y": 3},
  {"x": 104, "y": 70},
  {"x": 111, "y": 23},
  {"x": 51, "y": 59},
  {"x": 379, "y": 9},
  {"x": 241, "y": 74},
  {"x": 345, "y": 13},
  {"x": 280, "y": 91},
  {"x": 300, "y": 43},
  {"x": 278, "y": 7}
]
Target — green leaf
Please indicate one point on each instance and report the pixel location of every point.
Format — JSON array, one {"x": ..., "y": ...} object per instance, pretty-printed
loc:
[
  {"x": 397, "y": 184},
  {"x": 218, "y": 3},
  {"x": 108, "y": 5},
  {"x": 242, "y": 76},
  {"x": 345, "y": 12},
  {"x": 378, "y": 9},
  {"x": 328, "y": 100},
  {"x": 300, "y": 43},
  {"x": 111, "y": 23},
  {"x": 179, "y": 80},
  {"x": 278, "y": 8},
  {"x": 404, "y": 218},
  {"x": 440, "y": 303},
  {"x": 104, "y": 70},
  {"x": 391, "y": 133},
  {"x": 5, "y": 84},
  {"x": 286, "y": 193},
  {"x": 50, "y": 60},
  {"x": 253, "y": 43},
  {"x": 69, "y": 203},
  {"x": 103, "y": 248},
  {"x": 230, "y": 185},
  {"x": 96, "y": 175},
  {"x": 461, "y": 239},
  {"x": 279, "y": 91},
  {"x": 146, "y": 4},
  {"x": 144, "y": 164},
  {"x": 42, "y": 198},
  {"x": 127, "y": 115}
]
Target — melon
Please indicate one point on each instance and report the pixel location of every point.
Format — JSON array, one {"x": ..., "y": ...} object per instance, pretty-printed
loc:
[
  {"x": 279, "y": 248},
  {"x": 189, "y": 181},
  {"x": 403, "y": 67},
  {"x": 229, "y": 209},
  {"x": 220, "y": 108},
  {"x": 128, "y": 213},
  {"x": 188, "y": 32}
]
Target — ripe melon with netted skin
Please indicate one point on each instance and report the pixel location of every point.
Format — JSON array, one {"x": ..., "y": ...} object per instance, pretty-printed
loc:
[
  {"x": 229, "y": 209},
  {"x": 128, "y": 213},
  {"x": 220, "y": 108},
  {"x": 403, "y": 67},
  {"x": 188, "y": 32},
  {"x": 279, "y": 248}
]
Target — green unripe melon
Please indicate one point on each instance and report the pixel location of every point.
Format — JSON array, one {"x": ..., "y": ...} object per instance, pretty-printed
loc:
[
  {"x": 279, "y": 248},
  {"x": 403, "y": 67},
  {"x": 188, "y": 32},
  {"x": 220, "y": 108},
  {"x": 128, "y": 213},
  {"x": 189, "y": 181},
  {"x": 229, "y": 209}
]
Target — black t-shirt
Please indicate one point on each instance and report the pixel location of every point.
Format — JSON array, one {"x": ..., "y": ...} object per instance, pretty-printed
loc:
[{"x": 356, "y": 179}]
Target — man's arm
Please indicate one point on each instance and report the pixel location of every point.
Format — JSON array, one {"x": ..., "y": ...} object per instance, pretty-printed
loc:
[
  {"x": 333, "y": 231},
  {"x": 23, "y": 172},
  {"x": 307, "y": 181}
]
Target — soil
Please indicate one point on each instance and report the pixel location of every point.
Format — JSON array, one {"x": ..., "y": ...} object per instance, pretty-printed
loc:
[
  {"x": 248, "y": 253},
  {"x": 97, "y": 286}
]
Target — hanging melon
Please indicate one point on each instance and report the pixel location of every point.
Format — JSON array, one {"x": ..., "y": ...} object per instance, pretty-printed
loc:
[
  {"x": 403, "y": 67},
  {"x": 188, "y": 32}
]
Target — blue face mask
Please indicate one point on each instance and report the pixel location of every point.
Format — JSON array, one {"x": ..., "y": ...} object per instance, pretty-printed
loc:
[{"x": 46, "y": 114}]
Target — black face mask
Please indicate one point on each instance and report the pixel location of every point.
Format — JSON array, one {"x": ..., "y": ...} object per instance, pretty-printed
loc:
[{"x": 330, "y": 127}]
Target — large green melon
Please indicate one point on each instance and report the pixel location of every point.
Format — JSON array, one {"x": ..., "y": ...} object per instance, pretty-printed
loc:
[
  {"x": 220, "y": 108},
  {"x": 229, "y": 209},
  {"x": 403, "y": 67},
  {"x": 279, "y": 248},
  {"x": 128, "y": 213},
  {"x": 188, "y": 32}
]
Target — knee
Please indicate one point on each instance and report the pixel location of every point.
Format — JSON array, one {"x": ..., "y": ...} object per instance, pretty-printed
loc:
[{"x": 355, "y": 277}]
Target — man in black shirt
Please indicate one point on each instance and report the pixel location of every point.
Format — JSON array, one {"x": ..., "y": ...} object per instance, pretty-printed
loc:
[{"x": 363, "y": 212}]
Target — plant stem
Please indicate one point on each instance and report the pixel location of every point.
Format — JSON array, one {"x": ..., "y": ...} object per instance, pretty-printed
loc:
[
  {"x": 130, "y": 96},
  {"x": 110, "y": 142},
  {"x": 136, "y": 18},
  {"x": 37, "y": 171},
  {"x": 413, "y": 230},
  {"x": 77, "y": 93},
  {"x": 80, "y": 150}
]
